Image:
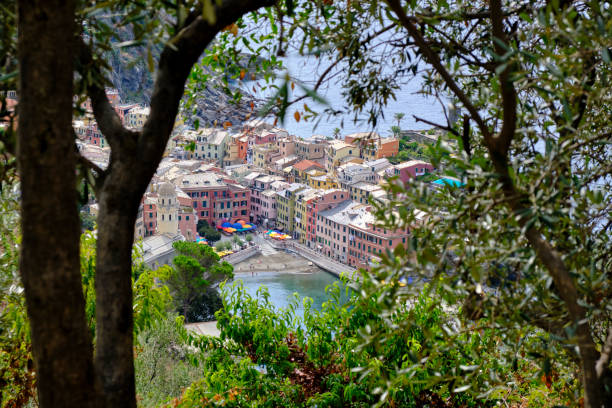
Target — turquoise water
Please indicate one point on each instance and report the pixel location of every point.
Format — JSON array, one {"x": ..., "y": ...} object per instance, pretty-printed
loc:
[{"x": 283, "y": 285}]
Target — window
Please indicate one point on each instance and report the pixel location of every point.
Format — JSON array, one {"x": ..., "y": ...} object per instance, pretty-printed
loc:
[
  {"x": 150, "y": 206},
  {"x": 195, "y": 204},
  {"x": 162, "y": 217},
  {"x": 151, "y": 225},
  {"x": 179, "y": 217},
  {"x": 215, "y": 194},
  {"x": 170, "y": 217},
  {"x": 201, "y": 213},
  {"x": 203, "y": 203},
  {"x": 186, "y": 217},
  {"x": 150, "y": 215},
  {"x": 162, "y": 201}
]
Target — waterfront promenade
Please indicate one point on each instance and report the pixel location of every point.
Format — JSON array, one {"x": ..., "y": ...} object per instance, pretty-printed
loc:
[{"x": 331, "y": 266}]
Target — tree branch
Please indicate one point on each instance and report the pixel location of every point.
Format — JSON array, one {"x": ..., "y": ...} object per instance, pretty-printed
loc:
[
  {"x": 108, "y": 121},
  {"x": 465, "y": 136},
  {"x": 501, "y": 142},
  {"x": 435, "y": 61},
  {"x": 604, "y": 358},
  {"x": 437, "y": 125},
  {"x": 175, "y": 63}
]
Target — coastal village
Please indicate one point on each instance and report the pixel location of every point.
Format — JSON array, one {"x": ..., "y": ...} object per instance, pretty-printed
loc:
[{"x": 317, "y": 191}]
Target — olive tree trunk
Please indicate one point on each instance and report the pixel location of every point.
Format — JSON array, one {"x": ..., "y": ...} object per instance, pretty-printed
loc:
[{"x": 49, "y": 259}]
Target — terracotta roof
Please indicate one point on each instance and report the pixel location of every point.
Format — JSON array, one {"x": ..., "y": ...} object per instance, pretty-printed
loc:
[{"x": 306, "y": 164}]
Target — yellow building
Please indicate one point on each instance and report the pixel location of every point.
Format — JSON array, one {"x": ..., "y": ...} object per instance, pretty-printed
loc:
[
  {"x": 263, "y": 155},
  {"x": 318, "y": 179},
  {"x": 136, "y": 117},
  {"x": 362, "y": 191},
  {"x": 285, "y": 207},
  {"x": 303, "y": 198},
  {"x": 337, "y": 150}
]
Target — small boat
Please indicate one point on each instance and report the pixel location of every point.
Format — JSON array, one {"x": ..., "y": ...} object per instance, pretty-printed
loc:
[{"x": 309, "y": 263}]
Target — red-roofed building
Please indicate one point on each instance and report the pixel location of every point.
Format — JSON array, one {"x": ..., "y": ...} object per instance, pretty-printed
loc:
[{"x": 300, "y": 168}]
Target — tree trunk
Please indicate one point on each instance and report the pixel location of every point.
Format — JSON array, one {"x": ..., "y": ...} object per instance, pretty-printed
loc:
[
  {"x": 49, "y": 261},
  {"x": 114, "y": 318}
]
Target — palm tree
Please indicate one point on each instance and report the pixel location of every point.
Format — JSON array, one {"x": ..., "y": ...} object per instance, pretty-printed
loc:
[
  {"x": 399, "y": 116},
  {"x": 396, "y": 131},
  {"x": 336, "y": 133}
]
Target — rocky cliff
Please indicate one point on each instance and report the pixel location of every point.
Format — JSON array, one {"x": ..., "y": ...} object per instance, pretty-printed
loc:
[{"x": 131, "y": 76}]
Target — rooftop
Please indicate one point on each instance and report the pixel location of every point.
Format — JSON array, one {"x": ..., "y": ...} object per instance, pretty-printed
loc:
[
  {"x": 350, "y": 212},
  {"x": 339, "y": 144},
  {"x": 362, "y": 185},
  {"x": 306, "y": 164},
  {"x": 411, "y": 163},
  {"x": 201, "y": 180}
]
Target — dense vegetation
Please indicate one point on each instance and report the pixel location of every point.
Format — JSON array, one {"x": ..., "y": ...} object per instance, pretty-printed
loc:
[
  {"x": 302, "y": 356},
  {"x": 524, "y": 247},
  {"x": 192, "y": 279}
]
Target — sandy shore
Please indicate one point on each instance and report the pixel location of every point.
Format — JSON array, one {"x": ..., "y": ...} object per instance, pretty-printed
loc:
[{"x": 280, "y": 262}]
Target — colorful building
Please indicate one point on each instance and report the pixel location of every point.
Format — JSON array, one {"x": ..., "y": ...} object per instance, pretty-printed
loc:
[
  {"x": 323, "y": 181},
  {"x": 285, "y": 206},
  {"x": 324, "y": 201},
  {"x": 336, "y": 151},
  {"x": 348, "y": 233},
  {"x": 412, "y": 169},
  {"x": 362, "y": 191},
  {"x": 137, "y": 117},
  {"x": 299, "y": 169},
  {"x": 303, "y": 200},
  {"x": 216, "y": 198}
]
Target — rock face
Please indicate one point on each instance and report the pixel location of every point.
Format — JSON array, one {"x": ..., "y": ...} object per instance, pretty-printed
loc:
[{"x": 131, "y": 76}]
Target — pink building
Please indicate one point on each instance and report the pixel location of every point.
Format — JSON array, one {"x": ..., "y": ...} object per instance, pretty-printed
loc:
[
  {"x": 325, "y": 200},
  {"x": 411, "y": 169},
  {"x": 367, "y": 242},
  {"x": 215, "y": 197},
  {"x": 149, "y": 213},
  {"x": 263, "y": 203},
  {"x": 187, "y": 217},
  {"x": 347, "y": 233}
]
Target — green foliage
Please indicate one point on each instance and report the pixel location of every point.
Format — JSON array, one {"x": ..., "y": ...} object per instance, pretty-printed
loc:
[
  {"x": 163, "y": 362},
  {"x": 191, "y": 279},
  {"x": 211, "y": 234},
  {"x": 410, "y": 150},
  {"x": 274, "y": 357},
  {"x": 17, "y": 376},
  {"x": 88, "y": 221},
  {"x": 152, "y": 301},
  {"x": 249, "y": 237}
]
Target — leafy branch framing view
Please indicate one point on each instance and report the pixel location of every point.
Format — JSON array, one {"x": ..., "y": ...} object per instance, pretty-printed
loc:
[{"x": 521, "y": 253}]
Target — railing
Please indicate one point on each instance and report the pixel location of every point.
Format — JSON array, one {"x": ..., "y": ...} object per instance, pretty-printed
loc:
[
  {"x": 242, "y": 254},
  {"x": 317, "y": 258}
]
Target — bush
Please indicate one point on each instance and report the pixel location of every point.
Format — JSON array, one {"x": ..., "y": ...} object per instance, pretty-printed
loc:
[
  {"x": 212, "y": 235},
  {"x": 316, "y": 360},
  {"x": 162, "y": 363}
]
